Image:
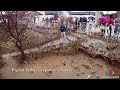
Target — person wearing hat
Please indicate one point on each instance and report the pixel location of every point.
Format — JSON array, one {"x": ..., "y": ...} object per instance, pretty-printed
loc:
[{"x": 63, "y": 35}]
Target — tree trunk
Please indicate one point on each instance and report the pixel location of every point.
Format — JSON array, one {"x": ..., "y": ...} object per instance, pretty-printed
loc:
[
  {"x": 20, "y": 48},
  {"x": 23, "y": 56}
]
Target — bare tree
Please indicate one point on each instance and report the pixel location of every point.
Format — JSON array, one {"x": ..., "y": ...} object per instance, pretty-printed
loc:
[{"x": 9, "y": 23}]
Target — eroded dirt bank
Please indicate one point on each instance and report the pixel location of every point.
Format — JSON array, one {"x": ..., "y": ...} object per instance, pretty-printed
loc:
[
  {"x": 76, "y": 60},
  {"x": 62, "y": 67}
]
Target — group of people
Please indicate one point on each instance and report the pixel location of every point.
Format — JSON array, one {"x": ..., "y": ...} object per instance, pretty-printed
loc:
[
  {"x": 111, "y": 29},
  {"x": 77, "y": 23},
  {"x": 107, "y": 29},
  {"x": 82, "y": 23}
]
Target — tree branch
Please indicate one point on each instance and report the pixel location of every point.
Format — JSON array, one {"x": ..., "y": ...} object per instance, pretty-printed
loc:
[
  {"x": 11, "y": 31},
  {"x": 9, "y": 14},
  {"x": 20, "y": 17}
]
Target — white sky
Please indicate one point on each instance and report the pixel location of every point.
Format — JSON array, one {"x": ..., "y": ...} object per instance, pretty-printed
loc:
[
  {"x": 108, "y": 12},
  {"x": 105, "y": 12}
]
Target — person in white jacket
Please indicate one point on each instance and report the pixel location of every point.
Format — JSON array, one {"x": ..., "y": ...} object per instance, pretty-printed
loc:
[
  {"x": 89, "y": 27},
  {"x": 106, "y": 32}
]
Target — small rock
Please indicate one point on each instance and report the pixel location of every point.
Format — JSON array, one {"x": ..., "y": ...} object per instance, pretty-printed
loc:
[
  {"x": 96, "y": 49},
  {"x": 83, "y": 72},
  {"x": 98, "y": 65},
  {"x": 64, "y": 63},
  {"x": 78, "y": 74},
  {"x": 88, "y": 76},
  {"x": 92, "y": 72},
  {"x": 72, "y": 61},
  {"x": 31, "y": 71},
  {"x": 50, "y": 72},
  {"x": 56, "y": 66},
  {"x": 101, "y": 50},
  {"x": 25, "y": 62},
  {"x": 33, "y": 62},
  {"x": 77, "y": 68},
  {"x": 0, "y": 57},
  {"x": 91, "y": 61},
  {"x": 86, "y": 66}
]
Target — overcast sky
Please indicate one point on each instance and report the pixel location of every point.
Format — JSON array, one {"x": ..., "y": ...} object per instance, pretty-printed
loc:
[
  {"x": 105, "y": 12},
  {"x": 82, "y": 11}
]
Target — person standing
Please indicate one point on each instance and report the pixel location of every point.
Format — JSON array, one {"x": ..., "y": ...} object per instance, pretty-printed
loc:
[
  {"x": 102, "y": 27},
  {"x": 89, "y": 27},
  {"x": 63, "y": 35},
  {"x": 81, "y": 23},
  {"x": 106, "y": 32},
  {"x": 110, "y": 29},
  {"x": 117, "y": 30}
]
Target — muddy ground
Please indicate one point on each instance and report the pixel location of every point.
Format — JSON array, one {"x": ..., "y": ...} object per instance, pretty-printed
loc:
[
  {"x": 63, "y": 63},
  {"x": 78, "y": 60},
  {"x": 62, "y": 67}
]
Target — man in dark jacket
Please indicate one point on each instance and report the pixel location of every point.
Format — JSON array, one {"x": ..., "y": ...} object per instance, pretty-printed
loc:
[
  {"x": 63, "y": 35},
  {"x": 117, "y": 30},
  {"x": 84, "y": 23},
  {"x": 81, "y": 22}
]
